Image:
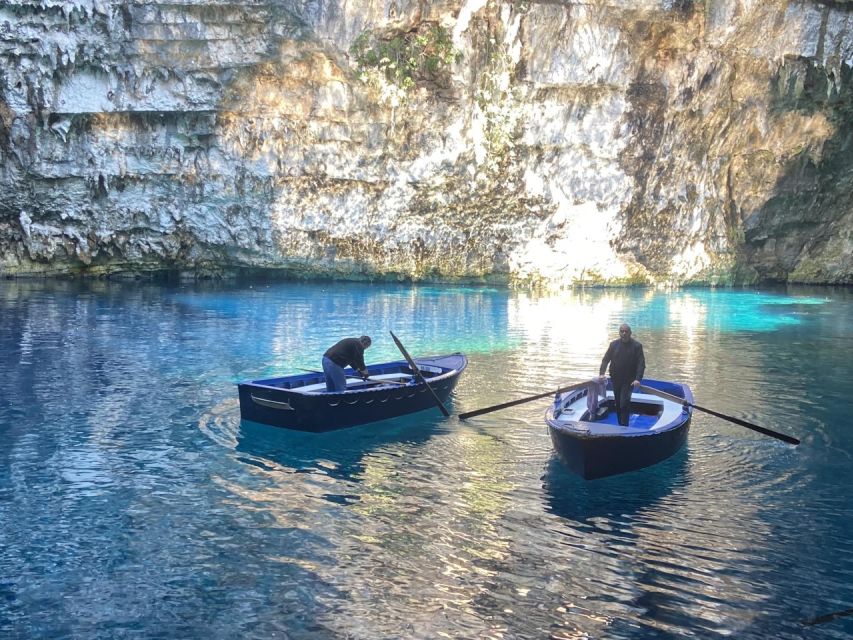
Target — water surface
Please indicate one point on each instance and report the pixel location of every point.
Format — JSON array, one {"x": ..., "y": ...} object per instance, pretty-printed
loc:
[{"x": 134, "y": 502}]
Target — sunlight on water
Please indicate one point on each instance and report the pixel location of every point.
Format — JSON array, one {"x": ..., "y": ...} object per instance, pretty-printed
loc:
[{"x": 135, "y": 502}]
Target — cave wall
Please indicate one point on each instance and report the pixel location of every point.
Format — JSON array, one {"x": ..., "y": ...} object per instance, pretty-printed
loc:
[{"x": 566, "y": 143}]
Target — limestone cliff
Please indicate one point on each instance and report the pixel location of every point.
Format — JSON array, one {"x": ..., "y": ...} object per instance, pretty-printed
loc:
[{"x": 612, "y": 141}]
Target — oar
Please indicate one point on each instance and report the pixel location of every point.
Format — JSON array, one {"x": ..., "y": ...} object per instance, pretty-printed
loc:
[
  {"x": 827, "y": 617},
  {"x": 767, "y": 432},
  {"x": 368, "y": 379},
  {"x": 419, "y": 375},
  {"x": 512, "y": 403}
]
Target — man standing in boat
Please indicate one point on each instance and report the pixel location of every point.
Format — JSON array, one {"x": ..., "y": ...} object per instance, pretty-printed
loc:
[
  {"x": 627, "y": 365},
  {"x": 345, "y": 353}
]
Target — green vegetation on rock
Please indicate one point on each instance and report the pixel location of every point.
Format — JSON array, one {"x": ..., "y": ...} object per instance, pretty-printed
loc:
[{"x": 405, "y": 58}]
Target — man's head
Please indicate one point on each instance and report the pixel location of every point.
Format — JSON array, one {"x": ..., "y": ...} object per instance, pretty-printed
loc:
[
  {"x": 624, "y": 332},
  {"x": 365, "y": 341}
]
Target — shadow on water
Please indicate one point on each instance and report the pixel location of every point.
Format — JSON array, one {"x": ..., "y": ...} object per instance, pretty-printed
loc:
[
  {"x": 338, "y": 454},
  {"x": 570, "y": 496}
]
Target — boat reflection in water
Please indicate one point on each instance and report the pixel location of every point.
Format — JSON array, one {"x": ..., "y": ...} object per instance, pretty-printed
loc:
[
  {"x": 337, "y": 454},
  {"x": 570, "y": 496}
]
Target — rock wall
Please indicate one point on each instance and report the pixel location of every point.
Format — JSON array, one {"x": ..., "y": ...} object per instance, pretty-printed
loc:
[{"x": 613, "y": 141}]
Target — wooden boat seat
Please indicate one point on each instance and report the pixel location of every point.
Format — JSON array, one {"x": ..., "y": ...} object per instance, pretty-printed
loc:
[{"x": 355, "y": 383}]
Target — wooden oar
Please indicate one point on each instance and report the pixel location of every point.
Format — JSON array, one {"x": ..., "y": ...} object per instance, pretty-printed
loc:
[
  {"x": 767, "y": 432},
  {"x": 512, "y": 403},
  {"x": 419, "y": 375},
  {"x": 367, "y": 379},
  {"x": 828, "y": 617}
]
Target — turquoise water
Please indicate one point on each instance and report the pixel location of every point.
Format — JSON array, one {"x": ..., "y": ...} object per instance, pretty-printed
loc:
[{"x": 134, "y": 503}]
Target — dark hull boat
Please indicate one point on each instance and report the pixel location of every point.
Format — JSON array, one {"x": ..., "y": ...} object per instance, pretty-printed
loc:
[
  {"x": 301, "y": 401},
  {"x": 601, "y": 447}
]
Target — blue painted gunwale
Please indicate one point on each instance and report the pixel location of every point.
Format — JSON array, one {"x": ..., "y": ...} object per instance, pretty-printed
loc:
[
  {"x": 593, "y": 451},
  {"x": 284, "y": 402}
]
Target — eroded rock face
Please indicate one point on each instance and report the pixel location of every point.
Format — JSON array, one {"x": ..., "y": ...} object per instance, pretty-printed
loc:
[{"x": 613, "y": 142}]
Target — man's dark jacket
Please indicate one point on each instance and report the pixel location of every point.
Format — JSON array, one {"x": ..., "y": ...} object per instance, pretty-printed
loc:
[
  {"x": 348, "y": 351},
  {"x": 627, "y": 362}
]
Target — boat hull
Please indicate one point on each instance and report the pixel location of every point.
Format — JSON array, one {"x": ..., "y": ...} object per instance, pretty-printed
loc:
[
  {"x": 593, "y": 458},
  {"x": 593, "y": 454},
  {"x": 270, "y": 402}
]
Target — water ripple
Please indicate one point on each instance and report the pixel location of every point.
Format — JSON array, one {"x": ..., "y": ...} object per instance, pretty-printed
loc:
[{"x": 135, "y": 502}]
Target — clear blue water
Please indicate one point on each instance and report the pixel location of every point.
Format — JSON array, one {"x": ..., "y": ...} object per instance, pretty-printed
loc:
[{"x": 134, "y": 503}]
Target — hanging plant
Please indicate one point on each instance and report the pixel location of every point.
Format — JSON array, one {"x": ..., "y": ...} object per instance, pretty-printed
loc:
[{"x": 405, "y": 59}]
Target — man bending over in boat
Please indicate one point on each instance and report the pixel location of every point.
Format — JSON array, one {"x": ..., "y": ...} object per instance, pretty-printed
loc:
[
  {"x": 627, "y": 364},
  {"x": 348, "y": 352}
]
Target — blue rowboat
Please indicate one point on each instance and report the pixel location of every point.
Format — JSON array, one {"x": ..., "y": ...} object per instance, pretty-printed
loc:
[
  {"x": 600, "y": 447},
  {"x": 301, "y": 401}
]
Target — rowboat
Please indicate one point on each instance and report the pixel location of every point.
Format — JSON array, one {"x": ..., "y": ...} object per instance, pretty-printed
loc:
[
  {"x": 393, "y": 389},
  {"x": 597, "y": 446}
]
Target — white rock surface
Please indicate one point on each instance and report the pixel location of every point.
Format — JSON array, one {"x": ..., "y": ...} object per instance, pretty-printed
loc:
[{"x": 616, "y": 142}]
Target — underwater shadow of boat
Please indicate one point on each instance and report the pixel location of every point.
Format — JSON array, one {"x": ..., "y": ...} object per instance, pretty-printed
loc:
[
  {"x": 338, "y": 454},
  {"x": 570, "y": 496}
]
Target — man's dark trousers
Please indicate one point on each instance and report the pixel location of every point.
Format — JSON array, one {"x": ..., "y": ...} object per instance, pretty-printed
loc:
[{"x": 622, "y": 397}]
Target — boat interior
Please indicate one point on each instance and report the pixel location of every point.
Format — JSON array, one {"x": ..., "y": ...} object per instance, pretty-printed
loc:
[
  {"x": 380, "y": 376},
  {"x": 353, "y": 384},
  {"x": 648, "y": 413}
]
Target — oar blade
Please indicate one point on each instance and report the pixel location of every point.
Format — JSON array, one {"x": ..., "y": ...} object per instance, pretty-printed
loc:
[
  {"x": 743, "y": 423},
  {"x": 749, "y": 425}
]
